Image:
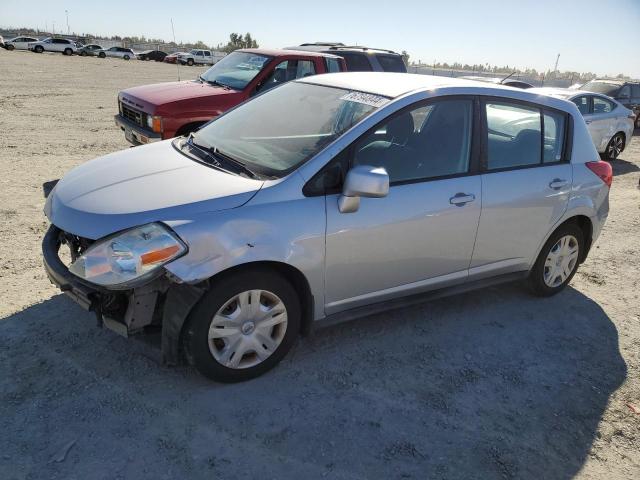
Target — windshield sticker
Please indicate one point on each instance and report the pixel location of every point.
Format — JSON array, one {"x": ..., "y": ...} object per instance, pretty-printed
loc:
[{"x": 366, "y": 98}]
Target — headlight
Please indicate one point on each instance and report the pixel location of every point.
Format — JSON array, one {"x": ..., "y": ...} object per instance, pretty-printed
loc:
[
  {"x": 129, "y": 256},
  {"x": 154, "y": 122}
]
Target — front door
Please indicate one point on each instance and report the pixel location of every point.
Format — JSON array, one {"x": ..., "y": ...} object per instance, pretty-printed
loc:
[
  {"x": 525, "y": 187},
  {"x": 421, "y": 235}
]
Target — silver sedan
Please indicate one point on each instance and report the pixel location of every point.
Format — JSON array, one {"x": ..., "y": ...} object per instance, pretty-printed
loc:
[
  {"x": 327, "y": 198},
  {"x": 609, "y": 122}
]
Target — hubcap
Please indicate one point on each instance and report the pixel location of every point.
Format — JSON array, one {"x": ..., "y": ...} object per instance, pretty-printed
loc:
[
  {"x": 561, "y": 261},
  {"x": 247, "y": 329},
  {"x": 615, "y": 147}
]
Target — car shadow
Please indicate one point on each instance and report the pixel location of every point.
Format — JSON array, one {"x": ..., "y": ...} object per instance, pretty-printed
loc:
[
  {"x": 623, "y": 167},
  {"x": 490, "y": 384},
  {"x": 48, "y": 186}
]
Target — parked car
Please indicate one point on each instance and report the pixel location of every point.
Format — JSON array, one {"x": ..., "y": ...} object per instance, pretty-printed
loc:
[
  {"x": 330, "y": 197},
  {"x": 117, "y": 52},
  {"x": 609, "y": 122},
  {"x": 173, "y": 57},
  {"x": 19, "y": 43},
  {"x": 155, "y": 55},
  {"x": 506, "y": 81},
  {"x": 200, "y": 57},
  {"x": 360, "y": 59},
  {"x": 626, "y": 92},
  {"x": 62, "y": 45},
  {"x": 154, "y": 112},
  {"x": 90, "y": 50}
]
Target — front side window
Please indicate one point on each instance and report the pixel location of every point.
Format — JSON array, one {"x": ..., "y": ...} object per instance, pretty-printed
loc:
[
  {"x": 333, "y": 65},
  {"x": 601, "y": 105},
  {"x": 514, "y": 135},
  {"x": 278, "y": 131},
  {"x": 206, "y": 54},
  {"x": 422, "y": 143},
  {"x": 287, "y": 71},
  {"x": 583, "y": 104},
  {"x": 236, "y": 70}
]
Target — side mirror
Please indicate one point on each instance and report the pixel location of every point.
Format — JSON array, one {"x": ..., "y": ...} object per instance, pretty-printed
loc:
[{"x": 362, "y": 181}]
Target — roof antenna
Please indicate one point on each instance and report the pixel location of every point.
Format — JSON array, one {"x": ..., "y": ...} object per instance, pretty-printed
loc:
[
  {"x": 174, "y": 41},
  {"x": 507, "y": 77}
]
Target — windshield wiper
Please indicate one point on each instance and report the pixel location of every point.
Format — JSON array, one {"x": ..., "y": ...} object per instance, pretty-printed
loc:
[
  {"x": 216, "y": 83},
  {"x": 214, "y": 154}
]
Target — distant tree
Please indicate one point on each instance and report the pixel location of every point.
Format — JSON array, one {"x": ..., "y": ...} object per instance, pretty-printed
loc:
[
  {"x": 405, "y": 57},
  {"x": 237, "y": 41}
]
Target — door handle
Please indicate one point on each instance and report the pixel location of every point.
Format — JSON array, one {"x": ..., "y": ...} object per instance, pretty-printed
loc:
[
  {"x": 558, "y": 183},
  {"x": 461, "y": 199},
  {"x": 587, "y": 121}
]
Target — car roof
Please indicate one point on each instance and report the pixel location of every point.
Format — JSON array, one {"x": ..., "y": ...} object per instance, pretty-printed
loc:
[
  {"x": 340, "y": 47},
  {"x": 394, "y": 85},
  {"x": 275, "y": 52}
]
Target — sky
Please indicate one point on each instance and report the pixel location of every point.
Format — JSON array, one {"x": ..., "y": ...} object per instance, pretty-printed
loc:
[{"x": 600, "y": 36}]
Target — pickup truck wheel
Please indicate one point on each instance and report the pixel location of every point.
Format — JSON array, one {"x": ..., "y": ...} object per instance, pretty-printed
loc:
[
  {"x": 190, "y": 62},
  {"x": 243, "y": 326},
  {"x": 38, "y": 49},
  {"x": 102, "y": 55},
  {"x": 558, "y": 261}
]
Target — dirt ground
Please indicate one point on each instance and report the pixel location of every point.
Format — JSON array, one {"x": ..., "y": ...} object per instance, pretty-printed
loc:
[{"x": 491, "y": 384}]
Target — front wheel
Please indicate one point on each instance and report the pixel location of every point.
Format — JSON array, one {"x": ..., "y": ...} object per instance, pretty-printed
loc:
[
  {"x": 83, "y": 54},
  {"x": 190, "y": 62},
  {"x": 39, "y": 49},
  {"x": 558, "y": 261},
  {"x": 68, "y": 52},
  {"x": 126, "y": 57},
  {"x": 243, "y": 326},
  {"x": 10, "y": 47},
  {"x": 102, "y": 55},
  {"x": 615, "y": 147}
]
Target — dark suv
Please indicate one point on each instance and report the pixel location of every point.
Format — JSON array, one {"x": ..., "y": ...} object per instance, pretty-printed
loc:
[
  {"x": 627, "y": 92},
  {"x": 360, "y": 59}
]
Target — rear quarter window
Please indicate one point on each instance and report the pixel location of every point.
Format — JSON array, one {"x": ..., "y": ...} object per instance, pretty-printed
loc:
[
  {"x": 392, "y": 63},
  {"x": 356, "y": 62}
]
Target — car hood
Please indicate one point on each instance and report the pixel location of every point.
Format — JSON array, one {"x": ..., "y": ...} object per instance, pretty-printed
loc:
[
  {"x": 149, "y": 97},
  {"x": 141, "y": 185}
]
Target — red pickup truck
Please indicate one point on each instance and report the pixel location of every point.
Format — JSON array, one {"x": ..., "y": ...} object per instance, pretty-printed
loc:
[{"x": 164, "y": 110}]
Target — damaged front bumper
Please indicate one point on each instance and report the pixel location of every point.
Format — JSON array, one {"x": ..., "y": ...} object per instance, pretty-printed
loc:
[{"x": 160, "y": 303}]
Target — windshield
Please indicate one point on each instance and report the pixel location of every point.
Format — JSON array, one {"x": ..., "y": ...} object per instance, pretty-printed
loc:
[
  {"x": 609, "y": 89},
  {"x": 279, "y": 130},
  {"x": 236, "y": 70}
]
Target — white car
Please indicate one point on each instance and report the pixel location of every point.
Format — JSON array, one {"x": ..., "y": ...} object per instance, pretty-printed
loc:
[
  {"x": 63, "y": 45},
  {"x": 609, "y": 122},
  {"x": 19, "y": 43},
  {"x": 118, "y": 52},
  {"x": 200, "y": 57}
]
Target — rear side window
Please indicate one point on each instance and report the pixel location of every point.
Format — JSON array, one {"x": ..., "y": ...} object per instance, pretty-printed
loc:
[
  {"x": 520, "y": 136},
  {"x": 583, "y": 104},
  {"x": 392, "y": 63},
  {"x": 356, "y": 62},
  {"x": 333, "y": 65},
  {"x": 600, "y": 105}
]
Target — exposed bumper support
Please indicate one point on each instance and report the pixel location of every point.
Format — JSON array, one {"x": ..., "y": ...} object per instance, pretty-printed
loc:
[{"x": 134, "y": 133}]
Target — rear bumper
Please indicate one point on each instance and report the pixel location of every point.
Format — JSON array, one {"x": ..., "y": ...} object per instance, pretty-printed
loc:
[{"x": 134, "y": 133}]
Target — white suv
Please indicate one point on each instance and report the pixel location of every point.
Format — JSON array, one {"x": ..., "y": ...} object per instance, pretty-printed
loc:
[
  {"x": 19, "y": 43},
  {"x": 117, "y": 52},
  {"x": 64, "y": 45},
  {"x": 200, "y": 57}
]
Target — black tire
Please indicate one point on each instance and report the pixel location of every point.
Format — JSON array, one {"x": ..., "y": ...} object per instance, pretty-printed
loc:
[
  {"x": 536, "y": 278},
  {"x": 68, "y": 52},
  {"x": 195, "y": 338},
  {"x": 638, "y": 120},
  {"x": 190, "y": 62},
  {"x": 126, "y": 57},
  {"x": 615, "y": 147},
  {"x": 11, "y": 47},
  {"x": 102, "y": 55},
  {"x": 38, "y": 49},
  {"x": 83, "y": 54}
]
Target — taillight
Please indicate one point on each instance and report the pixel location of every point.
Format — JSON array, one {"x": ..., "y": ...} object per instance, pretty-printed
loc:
[{"x": 602, "y": 170}]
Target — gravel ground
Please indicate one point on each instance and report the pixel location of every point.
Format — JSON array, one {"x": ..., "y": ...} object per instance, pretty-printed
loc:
[{"x": 493, "y": 384}]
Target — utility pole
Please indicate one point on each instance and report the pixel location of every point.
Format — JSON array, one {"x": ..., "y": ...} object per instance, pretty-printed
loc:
[
  {"x": 66, "y": 12},
  {"x": 555, "y": 68}
]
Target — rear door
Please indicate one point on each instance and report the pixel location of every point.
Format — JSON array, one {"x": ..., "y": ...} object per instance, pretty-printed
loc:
[
  {"x": 602, "y": 121},
  {"x": 525, "y": 185}
]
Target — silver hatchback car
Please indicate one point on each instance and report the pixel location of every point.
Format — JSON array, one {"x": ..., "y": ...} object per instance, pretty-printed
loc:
[{"x": 327, "y": 198}]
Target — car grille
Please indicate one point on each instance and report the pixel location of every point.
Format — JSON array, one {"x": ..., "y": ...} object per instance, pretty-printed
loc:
[{"x": 139, "y": 118}]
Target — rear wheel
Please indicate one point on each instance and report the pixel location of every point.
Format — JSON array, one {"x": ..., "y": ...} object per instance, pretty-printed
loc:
[
  {"x": 243, "y": 326},
  {"x": 615, "y": 147},
  {"x": 558, "y": 261},
  {"x": 10, "y": 47},
  {"x": 102, "y": 55},
  {"x": 126, "y": 57},
  {"x": 39, "y": 49},
  {"x": 68, "y": 52}
]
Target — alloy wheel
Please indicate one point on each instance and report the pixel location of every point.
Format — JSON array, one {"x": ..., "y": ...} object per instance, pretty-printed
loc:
[
  {"x": 247, "y": 329},
  {"x": 561, "y": 260},
  {"x": 615, "y": 147}
]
